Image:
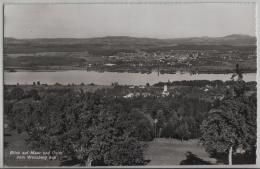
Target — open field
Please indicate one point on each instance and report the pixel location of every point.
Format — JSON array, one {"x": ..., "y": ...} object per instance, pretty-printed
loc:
[{"x": 172, "y": 152}]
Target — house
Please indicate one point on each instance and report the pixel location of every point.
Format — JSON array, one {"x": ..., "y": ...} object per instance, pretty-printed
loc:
[
  {"x": 141, "y": 86},
  {"x": 131, "y": 87},
  {"x": 130, "y": 95},
  {"x": 109, "y": 64},
  {"x": 205, "y": 90},
  {"x": 146, "y": 94}
]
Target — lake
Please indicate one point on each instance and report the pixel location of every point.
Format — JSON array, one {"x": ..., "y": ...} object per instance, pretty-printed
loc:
[{"x": 106, "y": 78}]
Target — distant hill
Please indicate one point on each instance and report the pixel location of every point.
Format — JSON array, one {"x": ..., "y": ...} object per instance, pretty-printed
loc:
[
  {"x": 111, "y": 44},
  {"x": 232, "y": 40}
]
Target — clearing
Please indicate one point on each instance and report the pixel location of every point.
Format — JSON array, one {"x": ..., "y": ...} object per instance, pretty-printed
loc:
[{"x": 175, "y": 152}]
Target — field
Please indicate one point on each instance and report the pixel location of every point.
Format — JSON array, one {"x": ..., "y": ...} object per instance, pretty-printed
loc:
[{"x": 175, "y": 152}]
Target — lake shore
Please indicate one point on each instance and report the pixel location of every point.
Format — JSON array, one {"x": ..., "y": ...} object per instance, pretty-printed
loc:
[
  {"x": 107, "y": 78},
  {"x": 145, "y": 70}
]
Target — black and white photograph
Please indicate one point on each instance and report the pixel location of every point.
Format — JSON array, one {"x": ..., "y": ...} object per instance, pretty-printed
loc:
[{"x": 129, "y": 84}]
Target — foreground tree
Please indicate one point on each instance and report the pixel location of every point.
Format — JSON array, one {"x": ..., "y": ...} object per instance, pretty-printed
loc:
[
  {"x": 83, "y": 127},
  {"x": 231, "y": 125}
]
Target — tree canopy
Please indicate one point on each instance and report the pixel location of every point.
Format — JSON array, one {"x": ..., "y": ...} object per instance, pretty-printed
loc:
[
  {"x": 81, "y": 127},
  {"x": 231, "y": 124}
]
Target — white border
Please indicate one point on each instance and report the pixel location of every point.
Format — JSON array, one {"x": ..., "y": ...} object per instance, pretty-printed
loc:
[{"x": 146, "y": 2}]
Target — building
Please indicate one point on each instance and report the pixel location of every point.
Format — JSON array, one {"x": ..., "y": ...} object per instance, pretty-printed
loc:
[
  {"x": 165, "y": 91},
  {"x": 146, "y": 94},
  {"x": 130, "y": 95}
]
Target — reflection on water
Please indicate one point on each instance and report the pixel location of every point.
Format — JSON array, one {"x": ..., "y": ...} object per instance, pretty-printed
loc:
[{"x": 106, "y": 78}]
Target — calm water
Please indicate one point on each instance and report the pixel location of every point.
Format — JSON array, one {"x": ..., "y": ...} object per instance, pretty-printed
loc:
[{"x": 106, "y": 78}]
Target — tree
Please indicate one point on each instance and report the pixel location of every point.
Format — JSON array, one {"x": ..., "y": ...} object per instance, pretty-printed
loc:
[
  {"x": 170, "y": 128},
  {"x": 233, "y": 122},
  {"x": 238, "y": 73},
  {"x": 34, "y": 94},
  {"x": 21, "y": 115},
  {"x": 143, "y": 128},
  {"x": 161, "y": 122},
  {"x": 83, "y": 126},
  {"x": 16, "y": 93},
  {"x": 229, "y": 126},
  {"x": 182, "y": 130},
  {"x": 112, "y": 139}
]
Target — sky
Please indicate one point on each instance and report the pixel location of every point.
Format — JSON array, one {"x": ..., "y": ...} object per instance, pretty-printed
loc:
[{"x": 137, "y": 20}]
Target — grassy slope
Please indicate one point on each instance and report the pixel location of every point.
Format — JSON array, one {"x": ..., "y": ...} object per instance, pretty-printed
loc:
[{"x": 172, "y": 152}]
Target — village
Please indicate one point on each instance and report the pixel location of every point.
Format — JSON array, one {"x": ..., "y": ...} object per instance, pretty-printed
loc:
[
  {"x": 168, "y": 61},
  {"x": 205, "y": 91}
]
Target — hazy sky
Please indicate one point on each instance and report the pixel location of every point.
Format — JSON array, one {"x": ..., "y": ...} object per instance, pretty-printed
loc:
[{"x": 138, "y": 20}]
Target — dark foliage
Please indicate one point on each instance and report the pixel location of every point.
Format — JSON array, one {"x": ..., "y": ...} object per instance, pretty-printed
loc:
[
  {"x": 192, "y": 159},
  {"x": 232, "y": 123}
]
